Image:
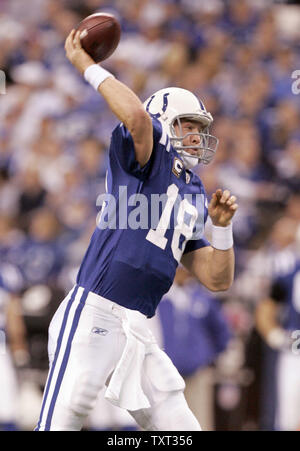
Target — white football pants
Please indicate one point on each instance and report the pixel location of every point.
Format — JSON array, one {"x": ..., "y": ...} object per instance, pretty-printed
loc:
[{"x": 86, "y": 341}]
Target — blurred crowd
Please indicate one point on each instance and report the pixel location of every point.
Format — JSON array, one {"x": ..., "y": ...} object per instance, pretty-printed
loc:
[{"x": 238, "y": 57}]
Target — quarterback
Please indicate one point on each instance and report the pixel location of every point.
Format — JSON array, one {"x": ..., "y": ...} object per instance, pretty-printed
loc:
[{"x": 99, "y": 336}]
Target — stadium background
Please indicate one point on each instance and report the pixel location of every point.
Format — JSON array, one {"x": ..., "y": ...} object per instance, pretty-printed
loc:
[{"x": 238, "y": 56}]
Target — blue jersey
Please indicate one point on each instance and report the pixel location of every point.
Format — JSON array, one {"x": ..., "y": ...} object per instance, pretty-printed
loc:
[
  {"x": 150, "y": 217},
  {"x": 38, "y": 261},
  {"x": 10, "y": 282},
  {"x": 286, "y": 289}
]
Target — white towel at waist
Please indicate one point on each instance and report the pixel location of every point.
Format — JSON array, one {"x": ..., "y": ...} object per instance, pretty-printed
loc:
[
  {"x": 141, "y": 355},
  {"x": 125, "y": 386}
]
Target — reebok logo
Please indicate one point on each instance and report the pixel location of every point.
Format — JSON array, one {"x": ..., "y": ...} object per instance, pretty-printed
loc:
[{"x": 99, "y": 331}]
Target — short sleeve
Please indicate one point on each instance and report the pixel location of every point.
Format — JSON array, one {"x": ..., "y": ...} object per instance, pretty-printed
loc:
[
  {"x": 193, "y": 245},
  {"x": 122, "y": 147}
]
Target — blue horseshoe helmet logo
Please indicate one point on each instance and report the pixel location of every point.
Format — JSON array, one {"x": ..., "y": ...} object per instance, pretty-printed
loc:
[{"x": 165, "y": 98}]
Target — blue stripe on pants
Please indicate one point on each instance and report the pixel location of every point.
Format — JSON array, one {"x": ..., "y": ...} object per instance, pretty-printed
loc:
[
  {"x": 65, "y": 358},
  {"x": 58, "y": 346}
]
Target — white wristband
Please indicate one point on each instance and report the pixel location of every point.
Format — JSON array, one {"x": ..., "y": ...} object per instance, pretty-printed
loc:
[
  {"x": 95, "y": 75},
  {"x": 221, "y": 237}
]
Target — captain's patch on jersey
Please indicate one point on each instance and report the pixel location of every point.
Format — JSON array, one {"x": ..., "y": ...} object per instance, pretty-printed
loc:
[{"x": 177, "y": 167}]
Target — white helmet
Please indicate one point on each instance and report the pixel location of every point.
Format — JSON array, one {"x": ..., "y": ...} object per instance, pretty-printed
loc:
[{"x": 169, "y": 105}]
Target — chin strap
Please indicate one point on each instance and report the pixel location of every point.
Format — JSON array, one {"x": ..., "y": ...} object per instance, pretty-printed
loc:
[{"x": 189, "y": 161}]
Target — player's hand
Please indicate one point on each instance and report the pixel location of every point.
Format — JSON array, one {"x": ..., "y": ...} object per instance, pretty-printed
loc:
[
  {"x": 76, "y": 54},
  {"x": 222, "y": 207}
]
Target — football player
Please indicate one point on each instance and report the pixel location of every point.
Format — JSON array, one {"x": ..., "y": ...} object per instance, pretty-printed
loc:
[
  {"x": 99, "y": 333},
  {"x": 278, "y": 321},
  {"x": 13, "y": 346}
]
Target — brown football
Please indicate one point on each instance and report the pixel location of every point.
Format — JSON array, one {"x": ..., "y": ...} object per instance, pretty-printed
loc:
[{"x": 100, "y": 35}]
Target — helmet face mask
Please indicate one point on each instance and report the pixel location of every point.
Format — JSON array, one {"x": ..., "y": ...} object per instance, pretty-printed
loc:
[
  {"x": 171, "y": 106},
  {"x": 206, "y": 148}
]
